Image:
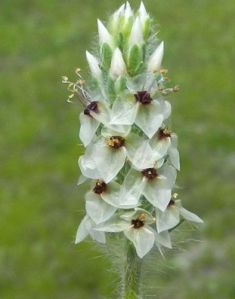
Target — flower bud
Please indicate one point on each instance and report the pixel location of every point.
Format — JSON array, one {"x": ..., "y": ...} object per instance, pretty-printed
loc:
[
  {"x": 104, "y": 35},
  {"x": 155, "y": 60},
  {"x": 118, "y": 66},
  {"x": 93, "y": 65},
  {"x": 144, "y": 16},
  {"x": 136, "y": 37}
]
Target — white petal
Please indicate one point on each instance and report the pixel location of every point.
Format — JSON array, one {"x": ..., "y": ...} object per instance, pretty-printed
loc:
[
  {"x": 104, "y": 35},
  {"x": 123, "y": 112},
  {"x": 157, "y": 196},
  {"x": 142, "y": 238},
  {"x": 98, "y": 236},
  {"x": 114, "y": 225},
  {"x": 82, "y": 179},
  {"x": 128, "y": 11},
  {"x": 108, "y": 161},
  {"x": 132, "y": 188},
  {"x": 155, "y": 60},
  {"x": 174, "y": 157},
  {"x": 118, "y": 66},
  {"x": 167, "y": 219},
  {"x": 98, "y": 210},
  {"x": 136, "y": 36},
  {"x": 190, "y": 216},
  {"x": 103, "y": 113},
  {"x": 170, "y": 173},
  {"x": 164, "y": 239},
  {"x": 139, "y": 152},
  {"x": 149, "y": 118},
  {"x": 93, "y": 65},
  {"x": 88, "y": 128},
  {"x": 88, "y": 167},
  {"x": 83, "y": 230},
  {"x": 143, "y": 13},
  {"x": 117, "y": 198},
  {"x": 160, "y": 147}
]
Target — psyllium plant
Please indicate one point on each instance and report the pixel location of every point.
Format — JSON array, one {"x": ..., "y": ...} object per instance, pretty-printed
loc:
[{"x": 131, "y": 157}]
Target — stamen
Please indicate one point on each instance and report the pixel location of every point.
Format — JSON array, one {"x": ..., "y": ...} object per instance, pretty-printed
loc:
[
  {"x": 116, "y": 142},
  {"x": 100, "y": 187},
  {"x": 150, "y": 173},
  {"x": 93, "y": 106},
  {"x": 164, "y": 133},
  {"x": 137, "y": 223},
  {"x": 171, "y": 203},
  {"x": 143, "y": 97}
]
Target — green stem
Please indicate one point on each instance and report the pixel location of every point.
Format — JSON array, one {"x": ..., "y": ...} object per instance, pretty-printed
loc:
[{"x": 131, "y": 275}]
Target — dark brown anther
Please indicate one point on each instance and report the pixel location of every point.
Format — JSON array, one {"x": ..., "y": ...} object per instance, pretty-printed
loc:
[
  {"x": 150, "y": 173},
  {"x": 100, "y": 187},
  {"x": 171, "y": 203},
  {"x": 116, "y": 142},
  {"x": 93, "y": 106},
  {"x": 137, "y": 223},
  {"x": 163, "y": 133},
  {"x": 143, "y": 97}
]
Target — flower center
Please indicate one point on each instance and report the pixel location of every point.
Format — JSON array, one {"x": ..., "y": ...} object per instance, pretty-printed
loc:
[
  {"x": 93, "y": 106},
  {"x": 171, "y": 203},
  {"x": 116, "y": 142},
  {"x": 143, "y": 97},
  {"x": 149, "y": 173},
  {"x": 137, "y": 223},
  {"x": 100, "y": 187},
  {"x": 164, "y": 133}
]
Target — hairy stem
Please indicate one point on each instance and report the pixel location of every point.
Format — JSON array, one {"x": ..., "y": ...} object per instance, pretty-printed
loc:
[{"x": 132, "y": 274}]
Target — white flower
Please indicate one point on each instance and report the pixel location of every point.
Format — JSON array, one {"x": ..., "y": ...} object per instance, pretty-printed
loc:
[
  {"x": 87, "y": 227},
  {"x": 136, "y": 36},
  {"x": 165, "y": 143},
  {"x": 154, "y": 183},
  {"x": 128, "y": 11},
  {"x": 106, "y": 156},
  {"x": 155, "y": 60},
  {"x": 118, "y": 67},
  {"x": 94, "y": 114},
  {"x": 104, "y": 35},
  {"x": 141, "y": 108},
  {"x": 136, "y": 226},
  {"x": 171, "y": 216},
  {"x": 93, "y": 65}
]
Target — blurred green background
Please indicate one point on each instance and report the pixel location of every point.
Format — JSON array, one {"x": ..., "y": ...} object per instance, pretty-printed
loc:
[{"x": 41, "y": 206}]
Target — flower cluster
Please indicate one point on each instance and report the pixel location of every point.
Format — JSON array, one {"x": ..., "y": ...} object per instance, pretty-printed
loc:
[{"x": 131, "y": 158}]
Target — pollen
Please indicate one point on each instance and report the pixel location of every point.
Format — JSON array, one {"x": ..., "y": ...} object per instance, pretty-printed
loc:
[
  {"x": 115, "y": 142},
  {"x": 150, "y": 173},
  {"x": 100, "y": 187}
]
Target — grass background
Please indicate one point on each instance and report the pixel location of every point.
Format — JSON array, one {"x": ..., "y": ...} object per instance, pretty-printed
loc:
[{"x": 41, "y": 206}]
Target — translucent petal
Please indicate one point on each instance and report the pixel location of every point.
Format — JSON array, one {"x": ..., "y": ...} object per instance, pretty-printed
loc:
[
  {"x": 142, "y": 238},
  {"x": 82, "y": 179},
  {"x": 149, "y": 118},
  {"x": 155, "y": 60},
  {"x": 98, "y": 210},
  {"x": 132, "y": 188},
  {"x": 160, "y": 147},
  {"x": 170, "y": 173},
  {"x": 117, "y": 198},
  {"x": 98, "y": 236},
  {"x": 174, "y": 157},
  {"x": 83, "y": 230},
  {"x": 107, "y": 160},
  {"x": 115, "y": 224},
  {"x": 88, "y": 128},
  {"x": 103, "y": 113},
  {"x": 88, "y": 167},
  {"x": 157, "y": 196},
  {"x": 167, "y": 219},
  {"x": 139, "y": 152},
  {"x": 164, "y": 239},
  {"x": 123, "y": 112}
]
